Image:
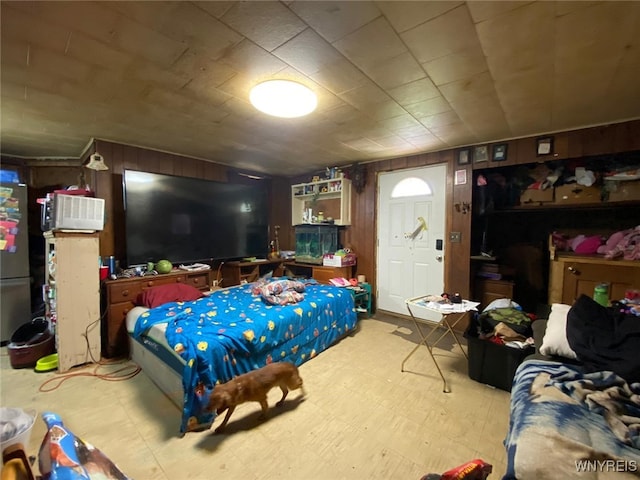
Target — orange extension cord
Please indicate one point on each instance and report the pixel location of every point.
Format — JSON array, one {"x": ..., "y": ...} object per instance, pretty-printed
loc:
[{"x": 123, "y": 373}]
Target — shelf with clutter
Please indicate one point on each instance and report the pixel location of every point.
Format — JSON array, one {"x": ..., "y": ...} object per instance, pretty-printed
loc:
[
  {"x": 576, "y": 183},
  {"x": 322, "y": 201}
]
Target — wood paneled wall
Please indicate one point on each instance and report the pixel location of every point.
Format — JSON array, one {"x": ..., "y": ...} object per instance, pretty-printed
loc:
[
  {"x": 118, "y": 157},
  {"x": 361, "y": 235}
]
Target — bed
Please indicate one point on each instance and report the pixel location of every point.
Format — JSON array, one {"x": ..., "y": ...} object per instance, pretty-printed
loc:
[
  {"x": 186, "y": 347},
  {"x": 575, "y": 404}
]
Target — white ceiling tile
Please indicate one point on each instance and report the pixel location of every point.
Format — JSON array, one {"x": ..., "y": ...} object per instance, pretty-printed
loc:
[
  {"x": 404, "y": 15},
  {"x": 308, "y": 52},
  {"x": 444, "y": 35},
  {"x": 392, "y": 78},
  {"x": 268, "y": 24},
  {"x": 457, "y": 66},
  {"x": 371, "y": 45},
  {"x": 333, "y": 20}
]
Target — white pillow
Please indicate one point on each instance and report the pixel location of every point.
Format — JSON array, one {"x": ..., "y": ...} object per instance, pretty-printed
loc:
[{"x": 555, "y": 341}]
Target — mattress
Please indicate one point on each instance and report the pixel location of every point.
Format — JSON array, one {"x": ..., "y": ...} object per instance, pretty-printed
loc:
[
  {"x": 156, "y": 358},
  {"x": 233, "y": 331}
]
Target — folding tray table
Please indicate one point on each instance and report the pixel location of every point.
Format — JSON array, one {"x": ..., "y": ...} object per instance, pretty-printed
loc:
[{"x": 450, "y": 315}]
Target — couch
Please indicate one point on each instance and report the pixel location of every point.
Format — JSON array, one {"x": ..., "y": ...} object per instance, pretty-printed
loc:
[{"x": 575, "y": 403}]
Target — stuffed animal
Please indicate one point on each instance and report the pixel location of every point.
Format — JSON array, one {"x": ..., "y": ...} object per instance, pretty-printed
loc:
[
  {"x": 612, "y": 241},
  {"x": 627, "y": 247},
  {"x": 581, "y": 244},
  {"x": 586, "y": 245}
]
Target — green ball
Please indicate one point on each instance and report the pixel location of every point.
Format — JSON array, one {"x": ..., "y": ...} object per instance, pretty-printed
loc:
[{"x": 164, "y": 266}]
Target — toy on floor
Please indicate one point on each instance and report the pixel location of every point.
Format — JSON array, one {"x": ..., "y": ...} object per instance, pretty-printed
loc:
[
  {"x": 474, "y": 470},
  {"x": 63, "y": 456}
]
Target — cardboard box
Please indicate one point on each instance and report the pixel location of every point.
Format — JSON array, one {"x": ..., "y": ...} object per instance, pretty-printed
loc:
[
  {"x": 330, "y": 260},
  {"x": 624, "y": 191},
  {"x": 575, "y": 194},
  {"x": 532, "y": 196}
]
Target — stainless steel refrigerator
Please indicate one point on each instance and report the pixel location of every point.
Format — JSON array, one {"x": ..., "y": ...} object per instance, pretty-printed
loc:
[{"x": 15, "y": 282}]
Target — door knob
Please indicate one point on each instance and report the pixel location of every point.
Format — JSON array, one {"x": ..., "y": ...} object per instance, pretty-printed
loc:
[
  {"x": 574, "y": 270},
  {"x": 439, "y": 258}
]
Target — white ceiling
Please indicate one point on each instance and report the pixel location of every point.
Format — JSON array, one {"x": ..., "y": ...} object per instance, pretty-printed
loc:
[{"x": 393, "y": 78}]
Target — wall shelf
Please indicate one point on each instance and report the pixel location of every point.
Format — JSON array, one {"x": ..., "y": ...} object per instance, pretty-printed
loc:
[{"x": 331, "y": 196}]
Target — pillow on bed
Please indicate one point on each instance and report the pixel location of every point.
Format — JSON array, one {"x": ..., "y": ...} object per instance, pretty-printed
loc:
[
  {"x": 554, "y": 342},
  {"x": 172, "y": 292}
]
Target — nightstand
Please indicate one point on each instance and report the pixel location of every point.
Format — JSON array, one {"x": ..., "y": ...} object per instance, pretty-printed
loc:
[{"x": 362, "y": 298}]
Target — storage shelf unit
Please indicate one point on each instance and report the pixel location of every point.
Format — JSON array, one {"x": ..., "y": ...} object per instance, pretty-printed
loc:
[
  {"x": 331, "y": 196},
  {"x": 362, "y": 298},
  {"x": 73, "y": 296}
]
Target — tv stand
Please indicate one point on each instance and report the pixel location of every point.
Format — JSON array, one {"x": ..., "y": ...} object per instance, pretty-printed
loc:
[{"x": 237, "y": 272}]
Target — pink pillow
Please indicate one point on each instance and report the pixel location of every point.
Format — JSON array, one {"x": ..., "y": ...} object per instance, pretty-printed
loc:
[
  {"x": 589, "y": 245},
  {"x": 172, "y": 292}
]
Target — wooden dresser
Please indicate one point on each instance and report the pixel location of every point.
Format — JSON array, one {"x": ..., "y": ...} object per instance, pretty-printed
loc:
[
  {"x": 119, "y": 297},
  {"x": 572, "y": 275},
  {"x": 488, "y": 290},
  {"x": 319, "y": 272}
]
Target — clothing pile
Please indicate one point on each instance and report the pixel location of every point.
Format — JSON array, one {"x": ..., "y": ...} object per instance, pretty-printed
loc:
[
  {"x": 503, "y": 322},
  {"x": 279, "y": 291}
]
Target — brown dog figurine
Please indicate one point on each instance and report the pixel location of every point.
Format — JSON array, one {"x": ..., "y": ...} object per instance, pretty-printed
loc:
[{"x": 254, "y": 387}]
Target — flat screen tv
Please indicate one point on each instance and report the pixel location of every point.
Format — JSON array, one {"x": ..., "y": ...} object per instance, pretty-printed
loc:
[{"x": 187, "y": 220}]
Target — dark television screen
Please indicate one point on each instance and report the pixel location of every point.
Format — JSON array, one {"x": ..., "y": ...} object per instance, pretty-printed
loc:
[{"x": 187, "y": 220}]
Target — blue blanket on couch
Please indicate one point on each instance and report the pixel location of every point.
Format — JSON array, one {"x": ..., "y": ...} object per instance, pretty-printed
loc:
[
  {"x": 234, "y": 331},
  {"x": 566, "y": 423}
]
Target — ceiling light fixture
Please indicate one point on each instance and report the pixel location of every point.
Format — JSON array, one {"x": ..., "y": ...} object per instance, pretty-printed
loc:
[
  {"x": 96, "y": 162},
  {"x": 283, "y": 98}
]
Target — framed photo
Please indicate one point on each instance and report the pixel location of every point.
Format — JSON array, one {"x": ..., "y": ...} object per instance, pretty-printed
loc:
[
  {"x": 545, "y": 146},
  {"x": 500, "y": 152},
  {"x": 480, "y": 154},
  {"x": 460, "y": 177},
  {"x": 464, "y": 156}
]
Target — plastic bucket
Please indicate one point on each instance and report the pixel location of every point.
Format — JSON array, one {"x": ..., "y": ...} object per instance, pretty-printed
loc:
[{"x": 16, "y": 426}]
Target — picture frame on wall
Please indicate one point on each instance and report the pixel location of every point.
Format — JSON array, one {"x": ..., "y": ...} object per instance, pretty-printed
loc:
[
  {"x": 460, "y": 177},
  {"x": 544, "y": 146},
  {"x": 480, "y": 154},
  {"x": 464, "y": 156},
  {"x": 500, "y": 152}
]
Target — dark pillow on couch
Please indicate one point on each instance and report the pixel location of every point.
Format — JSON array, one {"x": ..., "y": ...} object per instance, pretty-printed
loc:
[
  {"x": 172, "y": 292},
  {"x": 605, "y": 338}
]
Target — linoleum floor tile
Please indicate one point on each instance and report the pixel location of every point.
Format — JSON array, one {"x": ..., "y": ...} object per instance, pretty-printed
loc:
[{"x": 362, "y": 418}]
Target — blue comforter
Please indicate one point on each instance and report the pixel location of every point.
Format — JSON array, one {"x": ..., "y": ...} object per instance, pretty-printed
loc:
[
  {"x": 233, "y": 331},
  {"x": 566, "y": 423}
]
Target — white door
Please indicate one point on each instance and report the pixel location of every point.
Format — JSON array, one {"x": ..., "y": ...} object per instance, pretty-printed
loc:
[{"x": 411, "y": 224}]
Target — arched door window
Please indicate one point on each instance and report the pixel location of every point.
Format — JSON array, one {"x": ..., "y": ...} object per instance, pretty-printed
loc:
[{"x": 411, "y": 187}]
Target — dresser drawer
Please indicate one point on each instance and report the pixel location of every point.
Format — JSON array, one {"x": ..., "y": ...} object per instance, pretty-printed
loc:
[
  {"x": 155, "y": 280},
  {"x": 123, "y": 292},
  {"x": 324, "y": 274},
  {"x": 199, "y": 280}
]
